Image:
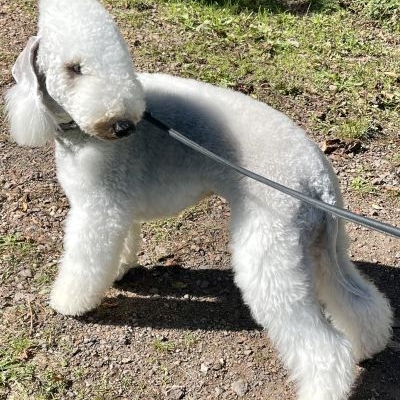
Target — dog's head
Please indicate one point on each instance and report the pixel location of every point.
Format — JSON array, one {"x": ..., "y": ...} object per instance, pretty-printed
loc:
[{"x": 77, "y": 68}]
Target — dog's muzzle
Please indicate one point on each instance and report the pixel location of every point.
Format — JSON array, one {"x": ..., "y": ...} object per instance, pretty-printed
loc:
[
  {"x": 118, "y": 130},
  {"x": 124, "y": 128}
]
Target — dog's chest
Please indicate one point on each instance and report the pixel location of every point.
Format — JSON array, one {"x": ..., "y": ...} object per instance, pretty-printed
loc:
[{"x": 82, "y": 165}]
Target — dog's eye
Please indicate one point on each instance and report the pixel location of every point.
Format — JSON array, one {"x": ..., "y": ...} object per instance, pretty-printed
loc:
[{"x": 76, "y": 69}]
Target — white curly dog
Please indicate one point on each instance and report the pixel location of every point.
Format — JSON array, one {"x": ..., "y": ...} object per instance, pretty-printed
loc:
[{"x": 76, "y": 84}]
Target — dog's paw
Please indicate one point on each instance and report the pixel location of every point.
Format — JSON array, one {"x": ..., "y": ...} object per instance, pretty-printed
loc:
[{"x": 70, "y": 298}]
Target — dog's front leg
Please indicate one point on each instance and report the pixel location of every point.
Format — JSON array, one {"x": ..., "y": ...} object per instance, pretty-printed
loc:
[
  {"x": 94, "y": 238},
  {"x": 131, "y": 246}
]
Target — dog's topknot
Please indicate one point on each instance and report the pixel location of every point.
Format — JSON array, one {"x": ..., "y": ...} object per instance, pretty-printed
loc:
[{"x": 79, "y": 27}]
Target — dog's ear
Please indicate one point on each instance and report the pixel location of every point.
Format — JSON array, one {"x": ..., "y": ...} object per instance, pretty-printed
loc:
[{"x": 32, "y": 124}]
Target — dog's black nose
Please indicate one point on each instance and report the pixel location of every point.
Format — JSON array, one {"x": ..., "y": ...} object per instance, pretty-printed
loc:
[{"x": 124, "y": 128}]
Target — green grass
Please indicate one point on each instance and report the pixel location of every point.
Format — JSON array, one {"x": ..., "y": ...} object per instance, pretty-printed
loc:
[
  {"x": 21, "y": 374},
  {"x": 385, "y": 11},
  {"x": 24, "y": 376},
  {"x": 13, "y": 252},
  {"x": 15, "y": 243},
  {"x": 163, "y": 346},
  {"x": 362, "y": 186},
  {"x": 189, "y": 340},
  {"x": 396, "y": 160},
  {"x": 14, "y": 367},
  {"x": 331, "y": 59},
  {"x": 164, "y": 230},
  {"x": 17, "y": 253},
  {"x": 28, "y": 5},
  {"x": 186, "y": 343}
]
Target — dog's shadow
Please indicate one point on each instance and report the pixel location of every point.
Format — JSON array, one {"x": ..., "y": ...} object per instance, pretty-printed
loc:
[
  {"x": 207, "y": 299},
  {"x": 177, "y": 297}
]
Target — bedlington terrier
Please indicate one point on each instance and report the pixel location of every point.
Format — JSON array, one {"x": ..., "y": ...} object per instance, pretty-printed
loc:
[{"x": 76, "y": 84}]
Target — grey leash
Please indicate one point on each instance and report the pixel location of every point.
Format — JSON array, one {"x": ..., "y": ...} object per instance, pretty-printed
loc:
[{"x": 339, "y": 212}]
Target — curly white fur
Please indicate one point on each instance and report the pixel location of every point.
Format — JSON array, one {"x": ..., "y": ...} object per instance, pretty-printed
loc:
[{"x": 288, "y": 258}]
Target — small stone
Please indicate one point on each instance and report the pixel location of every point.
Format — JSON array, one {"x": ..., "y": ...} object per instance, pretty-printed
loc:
[
  {"x": 75, "y": 351},
  {"x": 204, "y": 368},
  {"x": 331, "y": 145},
  {"x": 218, "y": 364},
  {"x": 377, "y": 181},
  {"x": 26, "y": 273},
  {"x": 240, "y": 387},
  {"x": 176, "y": 392},
  {"x": 89, "y": 382},
  {"x": 248, "y": 352}
]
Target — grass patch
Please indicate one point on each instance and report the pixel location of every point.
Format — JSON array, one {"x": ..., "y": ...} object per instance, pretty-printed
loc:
[
  {"x": 396, "y": 160},
  {"x": 164, "y": 230},
  {"x": 15, "y": 243},
  {"x": 163, "y": 346},
  {"x": 357, "y": 129},
  {"x": 25, "y": 376},
  {"x": 15, "y": 251},
  {"x": 28, "y": 5},
  {"x": 331, "y": 59},
  {"x": 385, "y": 11},
  {"x": 53, "y": 384},
  {"x": 362, "y": 186},
  {"x": 189, "y": 340},
  {"x": 14, "y": 367}
]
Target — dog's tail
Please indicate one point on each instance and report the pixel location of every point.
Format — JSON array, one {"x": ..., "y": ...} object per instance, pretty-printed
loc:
[
  {"x": 352, "y": 303},
  {"x": 333, "y": 242},
  {"x": 337, "y": 262}
]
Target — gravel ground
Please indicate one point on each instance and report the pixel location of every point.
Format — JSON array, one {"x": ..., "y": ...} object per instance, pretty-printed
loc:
[{"x": 175, "y": 327}]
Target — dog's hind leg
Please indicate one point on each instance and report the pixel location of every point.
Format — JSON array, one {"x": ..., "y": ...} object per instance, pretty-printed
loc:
[
  {"x": 354, "y": 305},
  {"x": 94, "y": 237},
  {"x": 129, "y": 253},
  {"x": 275, "y": 272}
]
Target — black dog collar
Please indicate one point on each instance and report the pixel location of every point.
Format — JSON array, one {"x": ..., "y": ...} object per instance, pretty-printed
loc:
[{"x": 69, "y": 126}]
